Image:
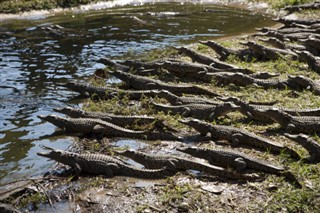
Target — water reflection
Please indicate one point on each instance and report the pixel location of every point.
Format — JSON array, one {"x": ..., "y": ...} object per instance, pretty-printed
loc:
[{"x": 36, "y": 54}]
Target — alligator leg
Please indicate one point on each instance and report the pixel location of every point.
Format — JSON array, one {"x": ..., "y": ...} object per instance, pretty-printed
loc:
[{"x": 110, "y": 170}]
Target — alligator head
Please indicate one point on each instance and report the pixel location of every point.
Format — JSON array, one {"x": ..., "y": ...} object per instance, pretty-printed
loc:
[
  {"x": 54, "y": 119},
  {"x": 73, "y": 112}
]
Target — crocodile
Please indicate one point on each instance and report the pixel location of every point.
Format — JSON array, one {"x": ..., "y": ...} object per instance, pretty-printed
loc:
[
  {"x": 175, "y": 163},
  {"x": 298, "y": 124},
  {"x": 224, "y": 52},
  {"x": 250, "y": 109},
  {"x": 269, "y": 52},
  {"x": 312, "y": 61},
  {"x": 99, "y": 127},
  {"x": 100, "y": 164},
  {"x": 239, "y": 161},
  {"x": 200, "y": 111},
  {"x": 302, "y": 82},
  {"x": 145, "y": 83},
  {"x": 311, "y": 145},
  {"x": 203, "y": 59},
  {"x": 105, "y": 92},
  {"x": 237, "y": 136},
  {"x": 181, "y": 100}
]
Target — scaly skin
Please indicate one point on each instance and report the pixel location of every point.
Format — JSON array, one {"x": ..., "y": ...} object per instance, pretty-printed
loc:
[
  {"x": 97, "y": 126},
  {"x": 287, "y": 21},
  {"x": 269, "y": 52},
  {"x": 144, "y": 83},
  {"x": 120, "y": 120},
  {"x": 176, "y": 163},
  {"x": 311, "y": 145},
  {"x": 303, "y": 124},
  {"x": 282, "y": 45},
  {"x": 181, "y": 100},
  {"x": 105, "y": 92},
  {"x": 200, "y": 111},
  {"x": 239, "y": 161},
  {"x": 250, "y": 109},
  {"x": 99, "y": 164},
  {"x": 312, "y": 61},
  {"x": 203, "y": 59},
  {"x": 238, "y": 136},
  {"x": 302, "y": 82},
  {"x": 306, "y": 6}
]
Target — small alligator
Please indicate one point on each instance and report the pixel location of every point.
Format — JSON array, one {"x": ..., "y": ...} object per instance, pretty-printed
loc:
[
  {"x": 250, "y": 109},
  {"x": 105, "y": 92},
  {"x": 99, "y": 127},
  {"x": 311, "y": 145},
  {"x": 203, "y": 59},
  {"x": 144, "y": 83},
  {"x": 269, "y": 52},
  {"x": 237, "y": 136},
  {"x": 311, "y": 60},
  {"x": 237, "y": 160},
  {"x": 224, "y": 52},
  {"x": 282, "y": 45},
  {"x": 306, "y": 6},
  {"x": 200, "y": 111},
  {"x": 120, "y": 120},
  {"x": 99, "y": 164},
  {"x": 175, "y": 163},
  {"x": 181, "y": 100},
  {"x": 287, "y": 21},
  {"x": 303, "y": 124},
  {"x": 302, "y": 82}
]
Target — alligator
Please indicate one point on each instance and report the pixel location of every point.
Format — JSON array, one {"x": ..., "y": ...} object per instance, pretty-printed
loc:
[
  {"x": 181, "y": 100},
  {"x": 312, "y": 45},
  {"x": 241, "y": 79},
  {"x": 312, "y": 61},
  {"x": 200, "y": 111},
  {"x": 237, "y": 136},
  {"x": 306, "y": 6},
  {"x": 175, "y": 163},
  {"x": 99, "y": 164},
  {"x": 237, "y": 160},
  {"x": 250, "y": 109},
  {"x": 298, "y": 124},
  {"x": 145, "y": 83},
  {"x": 287, "y": 21},
  {"x": 287, "y": 30},
  {"x": 269, "y": 53},
  {"x": 203, "y": 59},
  {"x": 302, "y": 82},
  {"x": 105, "y": 92},
  {"x": 120, "y": 120},
  {"x": 99, "y": 127},
  {"x": 224, "y": 52},
  {"x": 311, "y": 145},
  {"x": 282, "y": 45},
  {"x": 108, "y": 62}
]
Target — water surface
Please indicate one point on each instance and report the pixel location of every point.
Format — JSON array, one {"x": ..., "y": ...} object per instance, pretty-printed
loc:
[{"x": 35, "y": 54}]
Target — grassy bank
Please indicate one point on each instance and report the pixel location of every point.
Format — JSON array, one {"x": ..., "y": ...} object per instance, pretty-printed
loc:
[{"x": 17, "y": 6}]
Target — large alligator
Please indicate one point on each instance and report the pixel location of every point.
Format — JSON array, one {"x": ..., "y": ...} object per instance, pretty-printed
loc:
[
  {"x": 145, "y": 83},
  {"x": 312, "y": 61},
  {"x": 99, "y": 127},
  {"x": 302, "y": 82},
  {"x": 230, "y": 158},
  {"x": 181, "y": 100},
  {"x": 200, "y": 111},
  {"x": 105, "y": 92},
  {"x": 297, "y": 124},
  {"x": 176, "y": 163},
  {"x": 311, "y": 145},
  {"x": 237, "y": 136},
  {"x": 99, "y": 164}
]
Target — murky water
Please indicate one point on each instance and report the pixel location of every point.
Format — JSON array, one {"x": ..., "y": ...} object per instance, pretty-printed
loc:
[{"x": 34, "y": 56}]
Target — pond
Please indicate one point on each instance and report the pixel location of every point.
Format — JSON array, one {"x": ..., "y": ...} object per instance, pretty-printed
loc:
[{"x": 37, "y": 53}]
